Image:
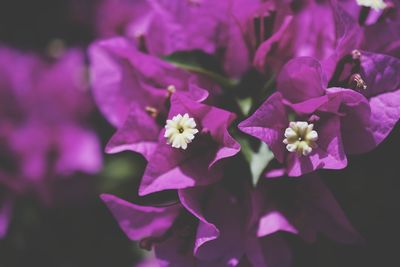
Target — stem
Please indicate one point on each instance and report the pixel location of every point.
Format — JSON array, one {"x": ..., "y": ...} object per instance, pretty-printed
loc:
[{"x": 223, "y": 81}]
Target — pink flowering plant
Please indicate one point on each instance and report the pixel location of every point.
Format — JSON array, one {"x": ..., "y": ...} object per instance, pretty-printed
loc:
[
  {"x": 232, "y": 117},
  {"x": 211, "y": 92}
]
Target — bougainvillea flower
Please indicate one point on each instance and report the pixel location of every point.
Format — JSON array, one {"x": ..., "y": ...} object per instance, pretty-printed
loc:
[
  {"x": 49, "y": 105},
  {"x": 122, "y": 76},
  {"x": 378, "y": 21},
  {"x": 124, "y": 17},
  {"x": 251, "y": 23},
  {"x": 269, "y": 33},
  {"x": 377, "y": 77},
  {"x": 203, "y": 229},
  {"x": 359, "y": 26},
  {"x": 43, "y": 133},
  {"x": 234, "y": 31},
  {"x": 132, "y": 89},
  {"x": 187, "y": 25},
  {"x": 306, "y": 124},
  {"x": 304, "y": 207},
  {"x": 190, "y": 148},
  {"x": 209, "y": 227},
  {"x": 382, "y": 78},
  {"x": 304, "y": 28},
  {"x": 374, "y": 75},
  {"x": 173, "y": 27},
  {"x": 234, "y": 225},
  {"x": 171, "y": 24}
]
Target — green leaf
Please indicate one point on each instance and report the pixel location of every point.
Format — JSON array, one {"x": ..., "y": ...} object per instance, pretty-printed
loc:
[
  {"x": 201, "y": 63},
  {"x": 119, "y": 171},
  {"x": 258, "y": 160},
  {"x": 245, "y": 105}
]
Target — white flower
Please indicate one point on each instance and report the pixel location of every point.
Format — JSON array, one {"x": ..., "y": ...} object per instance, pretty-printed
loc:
[
  {"x": 300, "y": 137},
  {"x": 374, "y": 4},
  {"x": 180, "y": 131}
]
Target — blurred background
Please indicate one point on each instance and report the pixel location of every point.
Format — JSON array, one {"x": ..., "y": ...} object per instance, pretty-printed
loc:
[{"x": 68, "y": 225}]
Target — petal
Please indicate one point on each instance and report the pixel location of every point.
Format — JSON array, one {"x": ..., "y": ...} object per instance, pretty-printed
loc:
[
  {"x": 110, "y": 79},
  {"x": 174, "y": 252},
  {"x": 268, "y": 123},
  {"x": 309, "y": 207},
  {"x": 273, "y": 222},
  {"x": 138, "y": 133},
  {"x": 174, "y": 29},
  {"x": 193, "y": 199},
  {"x": 270, "y": 251},
  {"x": 324, "y": 213},
  {"x": 130, "y": 17},
  {"x": 173, "y": 168},
  {"x": 140, "y": 221},
  {"x": 122, "y": 75},
  {"x": 385, "y": 113},
  {"x": 308, "y": 106},
  {"x": 79, "y": 151},
  {"x": 263, "y": 57},
  {"x": 381, "y": 73},
  {"x": 227, "y": 212},
  {"x": 382, "y": 37},
  {"x": 301, "y": 79},
  {"x": 348, "y": 38},
  {"x": 355, "y": 122}
]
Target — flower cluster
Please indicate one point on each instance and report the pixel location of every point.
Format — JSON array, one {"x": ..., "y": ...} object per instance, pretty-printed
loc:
[
  {"x": 44, "y": 134},
  {"x": 207, "y": 90}
]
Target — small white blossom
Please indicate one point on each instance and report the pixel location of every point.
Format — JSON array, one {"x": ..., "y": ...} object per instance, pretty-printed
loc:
[
  {"x": 374, "y": 4},
  {"x": 180, "y": 131},
  {"x": 300, "y": 137}
]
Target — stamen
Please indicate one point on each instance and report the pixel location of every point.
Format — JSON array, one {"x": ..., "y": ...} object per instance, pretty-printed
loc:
[
  {"x": 356, "y": 82},
  {"x": 153, "y": 112},
  {"x": 180, "y": 131},
  {"x": 170, "y": 90},
  {"x": 300, "y": 138}
]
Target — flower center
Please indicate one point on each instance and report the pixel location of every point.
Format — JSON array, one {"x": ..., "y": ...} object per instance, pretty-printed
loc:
[
  {"x": 374, "y": 4},
  {"x": 180, "y": 131},
  {"x": 300, "y": 137}
]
